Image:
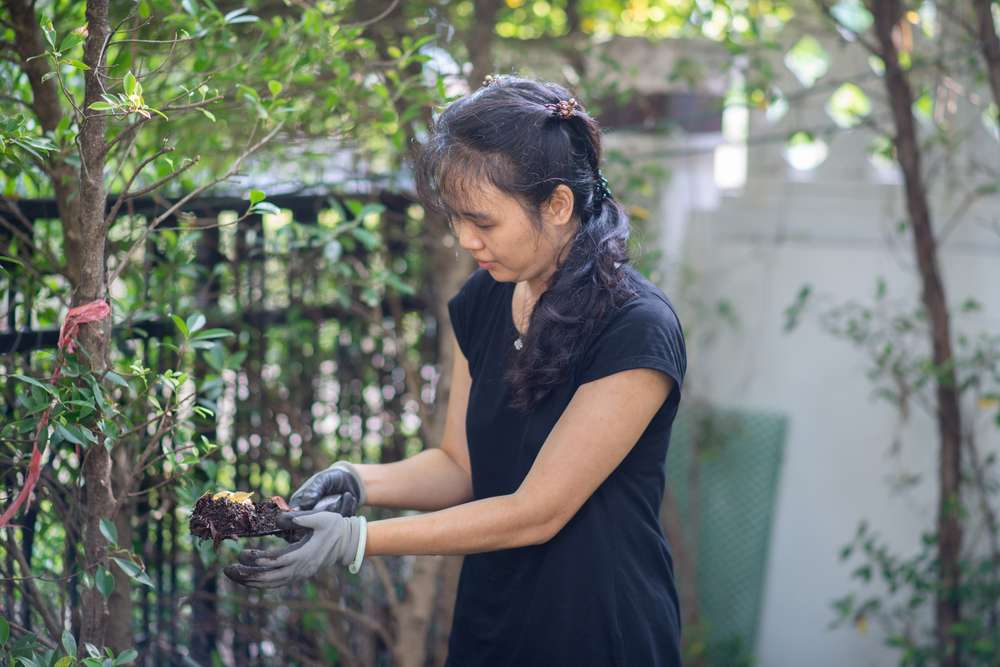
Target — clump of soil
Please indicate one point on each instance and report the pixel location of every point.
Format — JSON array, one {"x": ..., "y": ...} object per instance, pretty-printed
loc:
[{"x": 226, "y": 515}]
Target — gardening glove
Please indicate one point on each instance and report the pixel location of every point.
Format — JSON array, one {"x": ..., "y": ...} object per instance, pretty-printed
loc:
[
  {"x": 333, "y": 540},
  {"x": 340, "y": 481}
]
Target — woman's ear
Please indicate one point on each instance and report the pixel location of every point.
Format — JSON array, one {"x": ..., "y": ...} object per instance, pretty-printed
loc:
[{"x": 558, "y": 209}]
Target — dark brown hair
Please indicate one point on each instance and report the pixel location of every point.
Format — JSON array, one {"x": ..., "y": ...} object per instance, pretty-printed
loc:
[{"x": 505, "y": 135}]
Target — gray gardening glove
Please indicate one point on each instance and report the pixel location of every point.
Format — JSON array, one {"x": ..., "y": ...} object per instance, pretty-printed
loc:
[
  {"x": 341, "y": 482},
  {"x": 333, "y": 540}
]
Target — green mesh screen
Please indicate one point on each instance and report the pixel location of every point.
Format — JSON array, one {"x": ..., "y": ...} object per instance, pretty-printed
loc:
[{"x": 729, "y": 518}]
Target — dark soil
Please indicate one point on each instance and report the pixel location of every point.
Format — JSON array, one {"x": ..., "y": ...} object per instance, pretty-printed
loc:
[{"x": 221, "y": 518}]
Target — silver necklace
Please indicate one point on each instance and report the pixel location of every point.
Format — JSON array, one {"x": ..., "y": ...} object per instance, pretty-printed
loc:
[{"x": 519, "y": 341}]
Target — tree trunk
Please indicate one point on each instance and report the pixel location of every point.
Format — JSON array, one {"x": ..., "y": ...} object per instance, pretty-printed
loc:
[
  {"x": 947, "y": 606},
  {"x": 480, "y": 40},
  {"x": 989, "y": 44},
  {"x": 28, "y": 43},
  {"x": 87, "y": 265},
  {"x": 119, "y": 635}
]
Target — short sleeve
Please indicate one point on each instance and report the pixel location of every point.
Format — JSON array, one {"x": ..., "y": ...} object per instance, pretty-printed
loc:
[
  {"x": 461, "y": 310},
  {"x": 645, "y": 334},
  {"x": 458, "y": 313}
]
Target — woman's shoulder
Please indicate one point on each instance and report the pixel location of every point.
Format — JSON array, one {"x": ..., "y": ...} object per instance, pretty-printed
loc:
[
  {"x": 648, "y": 304},
  {"x": 477, "y": 288},
  {"x": 476, "y": 305},
  {"x": 643, "y": 331}
]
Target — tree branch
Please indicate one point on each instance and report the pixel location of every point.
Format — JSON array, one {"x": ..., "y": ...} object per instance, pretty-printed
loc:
[
  {"x": 870, "y": 46},
  {"x": 989, "y": 45},
  {"x": 53, "y": 627},
  {"x": 125, "y": 194},
  {"x": 194, "y": 193}
]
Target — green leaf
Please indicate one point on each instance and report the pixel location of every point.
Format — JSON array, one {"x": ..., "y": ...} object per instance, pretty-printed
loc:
[
  {"x": 99, "y": 395},
  {"x": 105, "y": 582},
  {"x": 70, "y": 42},
  {"x": 4, "y": 630},
  {"x": 77, "y": 64},
  {"x": 126, "y": 656},
  {"x": 92, "y": 650},
  {"x": 369, "y": 240},
  {"x": 32, "y": 381},
  {"x": 212, "y": 334},
  {"x": 47, "y": 76},
  {"x": 265, "y": 207},
  {"x": 116, "y": 379},
  {"x": 195, "y": 322},
  {"x": 134, "y": 571},
  {"x": 131, "y": 84},
  {"x": 50, "y": 33},
  {"x": 66, "y": 434},
  {"x": 275, "y": 87},
  {"x": 181, "y": 325},
  {"x": 208, "y": 114},
  {"x": 233, "y": 14},
  {"x": 101, "y": 106},
  {"x": 109, "y": 531},
  {"x": 65, "y": 661},
  {"x": 256, "y": 196},
  {"x": 69, "y": 643}
]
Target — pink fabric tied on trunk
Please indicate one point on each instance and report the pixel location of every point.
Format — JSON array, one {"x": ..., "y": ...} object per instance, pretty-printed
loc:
[{"x": 85, "y": 314}]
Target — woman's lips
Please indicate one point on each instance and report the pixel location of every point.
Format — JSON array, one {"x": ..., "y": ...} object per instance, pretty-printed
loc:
[{"x": 485, "y": 265}]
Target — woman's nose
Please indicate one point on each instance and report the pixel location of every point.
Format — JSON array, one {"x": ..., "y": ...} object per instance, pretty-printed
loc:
[{"x": 467, "y": 238}]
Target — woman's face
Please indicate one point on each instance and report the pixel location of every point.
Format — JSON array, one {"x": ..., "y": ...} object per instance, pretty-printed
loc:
[{"x": 502, "y": 238}]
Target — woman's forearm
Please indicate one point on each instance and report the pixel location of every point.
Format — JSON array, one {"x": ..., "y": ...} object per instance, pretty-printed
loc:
[
  {"x": 427, "y": 481},
  {"x": 501, "y": 522}
]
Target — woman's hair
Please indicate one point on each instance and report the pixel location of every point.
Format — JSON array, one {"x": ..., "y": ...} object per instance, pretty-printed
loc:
[{"x": 504, "y": 134}]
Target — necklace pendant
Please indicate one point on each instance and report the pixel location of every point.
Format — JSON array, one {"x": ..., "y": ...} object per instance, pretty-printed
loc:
[{"x": 518, "y": 344}]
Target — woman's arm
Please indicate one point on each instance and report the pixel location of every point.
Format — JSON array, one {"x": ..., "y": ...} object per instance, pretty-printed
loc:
[
  {"x": 435, "y": 478},
  {"x": 601, "y": 424}
]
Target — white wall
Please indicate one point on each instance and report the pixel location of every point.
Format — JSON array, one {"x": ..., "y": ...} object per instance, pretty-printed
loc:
[{"x": 757, "y": 250}]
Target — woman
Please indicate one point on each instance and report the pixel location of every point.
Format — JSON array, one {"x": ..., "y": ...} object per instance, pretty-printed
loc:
[{"x": 567, "y": 377}]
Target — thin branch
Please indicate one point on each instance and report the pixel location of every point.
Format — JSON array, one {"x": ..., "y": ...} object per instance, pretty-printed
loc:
[
  {"x": 870, "y": 46},
  {"x": 169, "y": 177},
  {"x": 194, "y": 193},
  {"x": 68, "y": 95},
  {"x": 956, "y": 17},
  {"x": 125, "y": 133},
  {"x": 104, "y": 47},
  {"x": 125, "y": 194},
  {"x": 17, "y": 100},
  {"x": 364, "y": 24},
  {"x": 121, "y": 162},
  {"x": 174, "y": 42},
  {"x": 12, "y": 206},
  {"x": 193, "y": 105},
  {"x": 25, "y": 631},
  {"x": 31, "y": 590},
  {"x": 970, "y": 198}
]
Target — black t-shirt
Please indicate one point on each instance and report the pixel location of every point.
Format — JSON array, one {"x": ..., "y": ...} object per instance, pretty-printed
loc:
[{"x": 601, "y": 592}]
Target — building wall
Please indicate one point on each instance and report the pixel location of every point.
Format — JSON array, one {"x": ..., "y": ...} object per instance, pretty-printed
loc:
[{"x": 835, "y": 228}]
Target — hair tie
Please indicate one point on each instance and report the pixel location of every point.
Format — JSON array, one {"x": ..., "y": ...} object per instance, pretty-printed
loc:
[
  {"x": 563, "y": 109},
  {"x": 490, "y": 80},
  {"x": 601, "y": 189}
]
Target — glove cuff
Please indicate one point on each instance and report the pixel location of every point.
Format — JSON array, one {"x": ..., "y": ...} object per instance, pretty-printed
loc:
[
  {"x": 362, "y": 525},
  {"x": 356, "y": 476}
]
